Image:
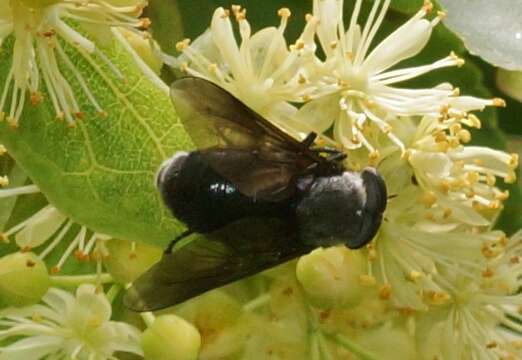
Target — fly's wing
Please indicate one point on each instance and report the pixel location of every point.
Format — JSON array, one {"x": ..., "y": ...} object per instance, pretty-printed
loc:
[
  {"x": 223, "y": 127},
  {"x": 239, "y": 250}
]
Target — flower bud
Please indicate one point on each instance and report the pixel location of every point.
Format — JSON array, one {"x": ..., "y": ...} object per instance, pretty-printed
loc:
[
  {"x": 510, "y": 82},
  {"x": 218, "y": 318},
  {"x": 23, "y": 279},
  {"x": 127, "y": 261},
  {"x": 330, "y": 277},
  {"x": 171, "y": 338}
]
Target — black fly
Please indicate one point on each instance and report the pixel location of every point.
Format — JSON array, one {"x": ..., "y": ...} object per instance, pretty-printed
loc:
[{"x": 252, "y": 197}]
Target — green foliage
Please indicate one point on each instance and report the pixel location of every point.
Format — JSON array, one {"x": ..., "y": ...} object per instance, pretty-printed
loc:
[{"x": 101, "y": 173}]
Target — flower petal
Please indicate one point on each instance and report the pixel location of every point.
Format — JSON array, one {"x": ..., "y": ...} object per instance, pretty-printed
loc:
[
  {"x": 436, "y": 164},
  {"x": 223, "y": 36},
  {"x": 319, "y": 115},
  {"x": 327, "y": 11},
  {"x": 40, "y": 227},
  {"x": 31, "y": 348},
  {"x": 268, "y": 51},
  {"x": 403, "y": 43}
]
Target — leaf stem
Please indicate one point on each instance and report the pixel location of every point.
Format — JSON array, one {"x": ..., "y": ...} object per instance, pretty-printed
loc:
[
  {"x": 76, "y": 280},
  {"x": 113, "y": 292},
  {"x": 148, "y": 318},
  {"x": 349, "y": 345},
  {"x": 256, "y": 303}
]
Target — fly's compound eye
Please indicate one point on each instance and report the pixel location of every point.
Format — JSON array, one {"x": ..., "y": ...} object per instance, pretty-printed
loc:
[{"x": 170, "y": 166}]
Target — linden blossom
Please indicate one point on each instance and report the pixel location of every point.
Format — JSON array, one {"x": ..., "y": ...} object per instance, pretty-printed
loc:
[
  {"x": 262, "y": 72},
  {"x": 482, "y": 320},
  {"x": 356, "y": 87},
  {"x": 66, "y": 327},
  {"x": 38, "y": 54},
  {"x": 49, "y": 226}
]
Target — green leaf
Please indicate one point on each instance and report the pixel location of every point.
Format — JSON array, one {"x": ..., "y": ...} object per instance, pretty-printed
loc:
[{"x": 101, "y": 173}]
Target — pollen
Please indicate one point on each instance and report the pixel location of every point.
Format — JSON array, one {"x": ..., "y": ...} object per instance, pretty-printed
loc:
[
  {"x": 145, "y": 23},
  {"x": 385, "y": 292},
  {"x": 458, "y": 61},
  {"x": 498, "y": 102},
  {"x": 183, "y": 44},
  {"x": 510, "y": 178},
  {"x": 427, "y": 6},
  {"x": 428, "y": 199},
  {"x": 415, "y": 276},
  {"x": 513, "y": 161},
  {"x": 464, "y": 136},
  {"x": 474, "y": 121},
  {"x": 299, "y": 45},
  {"x": 4, "y": 238},
  {"x": 36, "y": 98},
  {"x": 4, "y": 181},
  {"x": 284, "y": 12},
  {"x": 441, "y": 15},
  {"x": 239, "y": 12},
  {"x": 445, "y": 186},
  {"x": 440, "y": 136},
  {"x": 3, "y": 150},
  {"x": 473, "y": 177},
  {"x": 367, "y": 280},
  {"x": 488, "y": 272},
  {"x": 372, "y": 253},
  {"x": 491, "y": 180},
  {"x": 437, "y": 298},
  {"x": 447, "y": 213},
  {"x": 502, "y": 195},
  {"x": 373, "y": 157},
  {"x": 212, "y": 68}
]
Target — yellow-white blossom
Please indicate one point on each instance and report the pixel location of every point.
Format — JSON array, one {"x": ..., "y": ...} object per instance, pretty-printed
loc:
[
  {"x": 262, "y": 70},
  {"x": 64, "y": 327},
  {"x": 43, "y": 33},
  {"x": 48, "y": 228},
  {"x": 354, "y": 86},
  {"x": 482, "y": 320}
]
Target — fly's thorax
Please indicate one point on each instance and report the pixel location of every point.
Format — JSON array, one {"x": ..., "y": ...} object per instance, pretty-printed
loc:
[
  {"x": 332, "y": 209},
  {"x": 342, "y": 209},
  {"x": 169, "y": 168}
]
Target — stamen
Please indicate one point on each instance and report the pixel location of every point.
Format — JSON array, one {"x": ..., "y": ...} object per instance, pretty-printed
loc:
[{"x": 56, "y": 240}]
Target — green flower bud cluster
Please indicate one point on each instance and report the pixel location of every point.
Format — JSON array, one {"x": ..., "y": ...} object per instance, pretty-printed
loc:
[
  {"x": 170, "y": 337},
  {"x": 24, "y": 279}
]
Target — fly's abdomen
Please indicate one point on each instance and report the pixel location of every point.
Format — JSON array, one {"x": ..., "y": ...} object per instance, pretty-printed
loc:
[{"x": 201, "y": 198}]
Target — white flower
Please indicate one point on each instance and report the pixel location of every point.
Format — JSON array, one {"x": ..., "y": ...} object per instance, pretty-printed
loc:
[
  {"x": 261, "y": 71},
  {"x": 457, "y": 178},
  {"x": 355, "y": 89},
  {"x": 441, "y": 216},
  {"x": 66, "y": 327},
  {"x": 48, "y": 226},
  {"x": 417, "y": 247},
  {"x": 482, "y": 321},
  {"x": 43, "y": 31}
]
